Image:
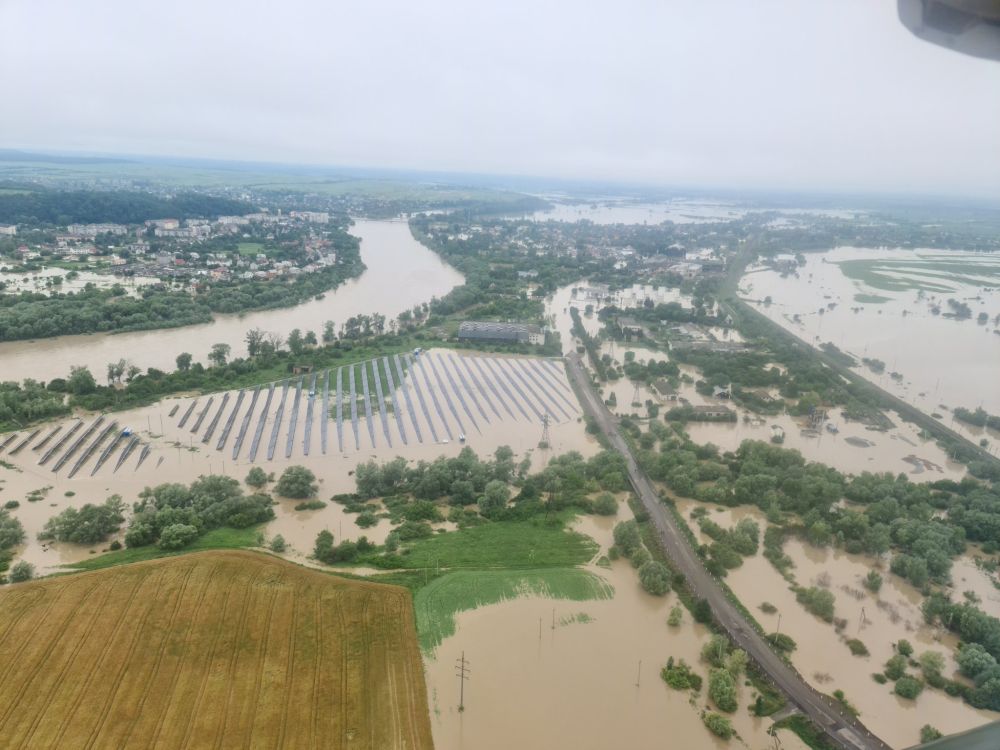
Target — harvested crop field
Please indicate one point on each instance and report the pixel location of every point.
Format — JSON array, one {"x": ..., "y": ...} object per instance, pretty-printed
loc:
[{"x": 213, "y": 649}]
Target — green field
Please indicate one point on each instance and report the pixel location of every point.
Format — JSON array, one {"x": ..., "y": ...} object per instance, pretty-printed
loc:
[
  {"x": 507, "y": 545},
  {"x": 438, "y": 602},
  {"x": 936, "y": 274},
  {"x": 250, "y": 248},
  {"x": 224, "y": 538}
]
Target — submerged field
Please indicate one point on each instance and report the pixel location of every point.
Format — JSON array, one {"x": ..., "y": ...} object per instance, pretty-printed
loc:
[{"x": 216, "y": 649}]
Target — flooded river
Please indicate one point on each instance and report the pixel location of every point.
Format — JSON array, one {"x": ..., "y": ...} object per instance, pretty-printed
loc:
[{"x": 401, "y": 273}]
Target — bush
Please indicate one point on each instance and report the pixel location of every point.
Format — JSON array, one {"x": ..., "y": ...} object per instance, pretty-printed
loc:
[
  {"x": 655, "y": 578},
  {"x": 768, "y": 608},
  {"x": 782, "y": 642},
  {"x": 817, "y": 601},
  {"x": 680, "y": 676},
  {"x": 297, "y": 483},
  {"x": 639, "y": 557},
  {"x": 908, "y": 687},
  {"x": 177, "y": 535},
  {"x": 627, "y": 537},
  {"x": 702, "y": 611},
  {"x": 873, "y": 581},
  {"x": 115, "y": 546},
  {"x": 605, "y": 504},
  {"x": 87, "y": 525},
  {"x": 895, "y": 668},
  {"x": 278, "y": 544},
  {"x": 718, "y": 725},
  {"x": 880, "y": 678},
  {"x": 256, "y": 477},
  {"x": 904, "y": 648},
  {"x": 366, "y": 519},
  {"x": 722, "y": 690},
  {"x": 675, "y": 617},
  {"x": 21, "y": 571},
  {"x": 310, "y": 505},
  {"x": 11, "y": 504},
  {"x": 929, "y": 734},
  {"x": 857, "y": 647}
]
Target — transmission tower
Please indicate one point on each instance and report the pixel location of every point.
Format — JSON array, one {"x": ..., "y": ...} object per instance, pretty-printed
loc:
[
  {"x": 545, "y": 430},
  {"x": 462, "y": 671}
]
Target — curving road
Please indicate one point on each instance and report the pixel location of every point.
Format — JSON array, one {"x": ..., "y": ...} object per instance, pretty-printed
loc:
[{"x": 845, "y": 730}]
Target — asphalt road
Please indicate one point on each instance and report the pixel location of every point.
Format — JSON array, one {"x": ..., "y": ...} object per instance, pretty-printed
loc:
[{"x": 842, "y": 728}]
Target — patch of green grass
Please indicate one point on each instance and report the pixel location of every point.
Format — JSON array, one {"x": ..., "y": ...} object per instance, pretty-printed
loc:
[
  {"x": 224, "y": 538},
  {"x": 871, "y": 299},
  {"x": 437, "y": 603},
  {"x": 250, "y": 248},
  {"x": 536, "y": 543}
]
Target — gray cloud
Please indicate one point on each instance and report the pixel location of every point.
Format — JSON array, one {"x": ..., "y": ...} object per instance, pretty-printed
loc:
[{"x": 773, "y": 93}]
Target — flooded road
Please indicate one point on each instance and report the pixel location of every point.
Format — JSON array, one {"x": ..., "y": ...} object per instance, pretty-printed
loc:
[{"x": 400, "y": 274}]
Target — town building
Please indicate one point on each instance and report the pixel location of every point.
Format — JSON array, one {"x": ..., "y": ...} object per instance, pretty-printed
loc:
[
  {"x": 92, "y": 230},
  {"x": 313, "y": 217},
  {"x": 520, "y": 333}
]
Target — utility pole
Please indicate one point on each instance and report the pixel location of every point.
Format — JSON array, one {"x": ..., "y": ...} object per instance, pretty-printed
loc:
[
  {"x": 462, "y": 672},
  {"x": 545, "y": 430},
  {"x": 638, "y": 674}
]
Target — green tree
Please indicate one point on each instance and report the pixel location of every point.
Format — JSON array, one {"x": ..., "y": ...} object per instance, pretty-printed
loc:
[
  {"x": 80, "y": 382},
  {"x": 21, "y": 571},
  {"x": 908, "y": 687},
  {"x": 722, "y": 690},
  {"x": 675, "y": 617},
  {"x": 494, "y": 500},
  {"x": 297, "y": 483},
  {"x": 929, "y": 734},
  {"x": 278, "y": 544},
  {"x": 219, "y": 354},
  {"x": 11, "y": 531},
  {"x": 655, "y": 578},
  {"x": 719, "y": 725},
  {"x": 184, "y": 361},
  {"x": 873, "y": 581},
  {"x": 256, "y": 477},
  {"x": 626, "y": 536},
  {"x": 177, "y": 536},
  {"x": 932, "y": 663},
  {"x": 295, "y": 343},
  {"x": 973, "y": 659},
  {"x": 323, "y": 548},
  {"x": 904, "y": 648},
  {"x": 605, "y": 504}
]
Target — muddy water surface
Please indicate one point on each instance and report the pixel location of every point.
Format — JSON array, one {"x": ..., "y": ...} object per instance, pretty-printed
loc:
[
  {"x": 400, "y": 273},
  {"x": 574, "y": 685},
  {"x": 823, "y": 657},
  {"x": 178, "y": 455}
]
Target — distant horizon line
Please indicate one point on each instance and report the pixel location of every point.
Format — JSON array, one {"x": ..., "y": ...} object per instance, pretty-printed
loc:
[{"x": 496, "y": 180}]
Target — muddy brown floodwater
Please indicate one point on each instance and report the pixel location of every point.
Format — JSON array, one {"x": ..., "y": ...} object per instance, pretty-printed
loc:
[
  {"x": 178, "y": 455},
  {"x": 400, "y": 274},
  {"x": 879, "y": 621},
  {"x": 942, "y": 362},
  {"x": 574, "y": 686}
]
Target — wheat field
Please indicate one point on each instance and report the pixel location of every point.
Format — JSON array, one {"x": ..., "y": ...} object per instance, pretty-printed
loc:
[{"x": 220, "y": 649}]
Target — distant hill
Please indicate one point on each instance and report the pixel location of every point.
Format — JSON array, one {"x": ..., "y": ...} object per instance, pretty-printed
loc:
[
  {"x": 61, "y": 207},
  {"x": 7, "y": 154}
]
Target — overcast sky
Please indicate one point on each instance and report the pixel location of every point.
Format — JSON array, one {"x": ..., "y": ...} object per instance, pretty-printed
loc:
[{"x": 732, "y": 93}]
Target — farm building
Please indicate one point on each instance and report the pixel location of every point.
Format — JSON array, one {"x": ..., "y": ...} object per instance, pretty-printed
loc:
[{"x": 520, "y": 333}]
